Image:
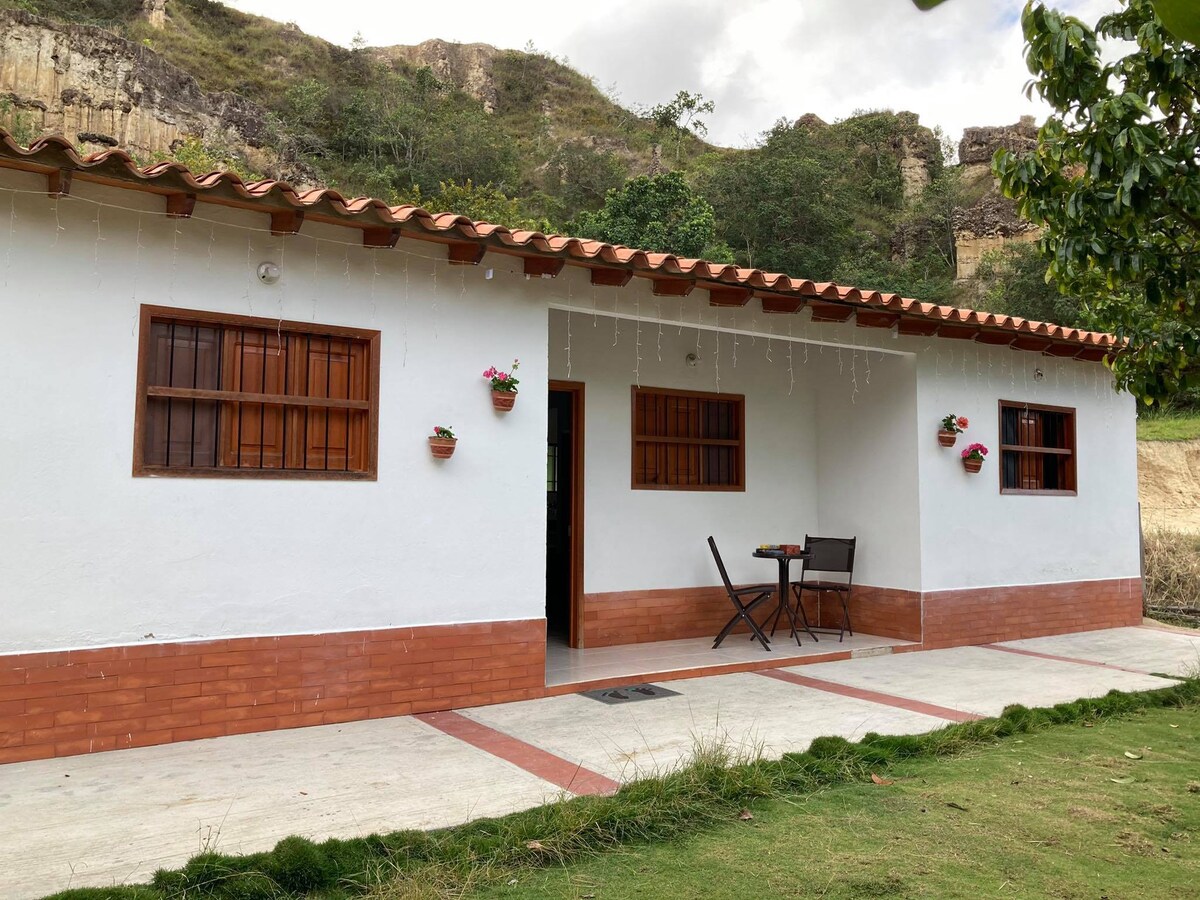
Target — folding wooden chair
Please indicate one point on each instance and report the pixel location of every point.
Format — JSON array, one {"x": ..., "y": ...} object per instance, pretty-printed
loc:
[{"x": 761, "y": 593}]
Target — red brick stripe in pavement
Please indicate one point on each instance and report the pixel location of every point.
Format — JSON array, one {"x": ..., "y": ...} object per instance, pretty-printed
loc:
[
  {"x": 845, "y": 690},
  {"x": 547, "y": 766},
  {"x": 1070, "y": 659}
]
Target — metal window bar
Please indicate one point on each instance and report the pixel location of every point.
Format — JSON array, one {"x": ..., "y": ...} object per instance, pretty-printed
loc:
[
  {"x": 195, "y": 371},
  {"x": 262, "y": 407},
  {"x": 171, "y": 382}
]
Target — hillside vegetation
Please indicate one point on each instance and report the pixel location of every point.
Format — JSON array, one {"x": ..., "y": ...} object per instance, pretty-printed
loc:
[{"x": 524, "y": 140}]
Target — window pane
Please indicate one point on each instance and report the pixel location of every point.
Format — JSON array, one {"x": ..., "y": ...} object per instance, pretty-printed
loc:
[
  {"x": 183, "y": 432},
  {"x": 674, "y": 435}
]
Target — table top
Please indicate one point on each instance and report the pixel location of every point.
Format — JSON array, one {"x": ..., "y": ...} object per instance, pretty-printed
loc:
[{"x": 779, "y": 554}]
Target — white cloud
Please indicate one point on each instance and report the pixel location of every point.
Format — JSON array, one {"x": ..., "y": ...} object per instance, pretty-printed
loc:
[{"x": 960, "y": 64}]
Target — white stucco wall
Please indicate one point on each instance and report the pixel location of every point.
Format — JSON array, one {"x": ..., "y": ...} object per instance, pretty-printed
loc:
[
  {"x": 972, "y": 535},
  {"x": 90, "y": 555},
  {"x": 867, "y": 464},
  {"x": 639, "y": 539}
]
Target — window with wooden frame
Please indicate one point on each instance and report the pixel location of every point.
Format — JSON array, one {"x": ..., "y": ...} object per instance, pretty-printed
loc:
[
  {"x": 235, "y": 396},
  {"x": 688, "y": 441},
  {"x": 1037, "y": 449}
]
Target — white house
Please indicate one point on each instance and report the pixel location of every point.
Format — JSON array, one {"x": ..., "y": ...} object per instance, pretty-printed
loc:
[{"x": 221, "y": 513}]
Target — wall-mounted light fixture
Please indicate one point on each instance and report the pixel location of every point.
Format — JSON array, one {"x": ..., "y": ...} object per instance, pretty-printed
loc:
[
  {"x": 268, "y": 272},
  {"x": 692, "y": 360}
]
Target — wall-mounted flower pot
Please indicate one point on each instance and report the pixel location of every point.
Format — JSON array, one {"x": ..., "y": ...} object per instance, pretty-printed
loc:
[
  {"x": 946, "y": 438},
  {"x": 442, "y": 448},
  {"x": 504, "y": 400},
  {"x": 973, "y": 465}
]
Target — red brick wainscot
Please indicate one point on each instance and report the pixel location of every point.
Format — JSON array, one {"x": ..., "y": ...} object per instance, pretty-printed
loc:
[
  {"x": 988, "y": 615},
  {"x": 634, "y": 617},
  {"x": 935, "y": 618},
  {"x": 67, "y": 702}
]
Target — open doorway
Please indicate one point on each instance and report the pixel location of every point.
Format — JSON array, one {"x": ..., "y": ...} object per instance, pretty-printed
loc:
[{"x": 564, "y": 513}]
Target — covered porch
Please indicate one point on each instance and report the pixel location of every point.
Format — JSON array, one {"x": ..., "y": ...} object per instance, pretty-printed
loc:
[{"x": 673, "y": 418}]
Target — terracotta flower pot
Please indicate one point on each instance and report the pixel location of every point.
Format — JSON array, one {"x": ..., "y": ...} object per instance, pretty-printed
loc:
[
  {"x": 972, "y": 465},
  {"x": 504, "y": 400},
  {"x": 442, "y": 448},
  {"x": 946, "y": 438}
]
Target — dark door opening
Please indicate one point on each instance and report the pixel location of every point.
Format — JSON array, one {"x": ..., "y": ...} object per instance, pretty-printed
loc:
[
  {"x": 558, "y": 516},
  {"x": 564, "y": 502}
]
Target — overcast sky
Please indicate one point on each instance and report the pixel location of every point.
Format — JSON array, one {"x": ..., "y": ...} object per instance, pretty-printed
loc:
[{"x": 958, "y": 65}]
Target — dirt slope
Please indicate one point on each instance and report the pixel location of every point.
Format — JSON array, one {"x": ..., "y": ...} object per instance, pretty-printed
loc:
[{"x": 1169, "y": 485}]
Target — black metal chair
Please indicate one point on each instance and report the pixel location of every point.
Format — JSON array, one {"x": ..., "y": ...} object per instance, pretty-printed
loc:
[
  {"x": 827, "y": 556},
  {"x": 761, "y": 593}
]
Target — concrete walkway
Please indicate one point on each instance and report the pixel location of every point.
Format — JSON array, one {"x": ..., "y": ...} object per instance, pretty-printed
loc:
[{"x": 113, "y": 818}]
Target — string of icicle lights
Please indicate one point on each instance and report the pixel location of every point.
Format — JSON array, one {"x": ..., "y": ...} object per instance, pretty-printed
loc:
[{"x": 1032, "y": 372}]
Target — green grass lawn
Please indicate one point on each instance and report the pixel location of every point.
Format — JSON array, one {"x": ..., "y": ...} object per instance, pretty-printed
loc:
[
  {"x": 1169, "y": 426},
  {"x": 1041, "y": 816}
]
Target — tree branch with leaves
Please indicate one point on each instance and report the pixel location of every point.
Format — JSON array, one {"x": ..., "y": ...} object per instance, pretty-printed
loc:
[{"x": 1115, "y": 181}]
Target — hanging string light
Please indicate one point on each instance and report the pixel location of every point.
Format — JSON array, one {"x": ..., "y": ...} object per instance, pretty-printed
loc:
[
  {"x": 733, "y": 319},
  {"x": 58, "y": 228},
  {"x": 658, "y": 313},
  {"x": 316, "y": 275},
  {"x": 374, "y": 278},
  {"x": 717, "y": 355},
  {"x": 637, "y": 345},
  {"x": 96, "y": 252},
  {"x": 249, "y": 274},
  {"x": 434, "y": 306},
  {"x": 791, "y": 369},
  {"x": 404, "y": 314},
  {"x": 137, "y": 257},
  {"x": 616, "y": 318},
  {"x": 570, "y": 302},
  {"x": 175, "y": 260},
  {"x": 568, "y": 343},
  {"x": 12, "y": 234}
]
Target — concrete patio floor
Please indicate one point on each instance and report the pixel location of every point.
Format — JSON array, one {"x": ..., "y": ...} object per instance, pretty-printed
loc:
[{"x": 113, "y": 818}]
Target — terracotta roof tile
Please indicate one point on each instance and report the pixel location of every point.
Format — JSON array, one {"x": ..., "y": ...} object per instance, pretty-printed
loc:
[{"x": 52, "y": 153}]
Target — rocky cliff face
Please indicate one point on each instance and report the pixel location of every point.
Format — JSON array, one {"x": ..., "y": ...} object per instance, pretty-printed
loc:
[
  {"x": 466, "y": 66},
  {"x": 993, "y": 221},
  {"x": 103, "y": 91}
]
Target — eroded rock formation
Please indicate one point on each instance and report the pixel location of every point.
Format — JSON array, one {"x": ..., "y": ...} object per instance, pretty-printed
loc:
[
  {"x": 103, "y": 91},
  {"x": 993, "y": 221},
  {"x": 466, "y": 66}
]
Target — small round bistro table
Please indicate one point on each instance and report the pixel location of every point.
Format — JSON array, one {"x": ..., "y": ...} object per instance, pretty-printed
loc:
[{"x": 785, "y": 585}]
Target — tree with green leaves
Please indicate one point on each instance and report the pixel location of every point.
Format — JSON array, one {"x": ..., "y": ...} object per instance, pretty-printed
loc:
[
  {"x": 683, "y": 115},
  {"x": 660, "y": 213},
  {"x": 1115, "y": 181},
  {"x": 1182, "y": 17}
]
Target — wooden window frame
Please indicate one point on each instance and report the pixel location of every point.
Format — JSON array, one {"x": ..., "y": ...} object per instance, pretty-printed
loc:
[
  {"x": 740, "y": 487},
  {"x": 371, "y": 337},
  {"x": 1072, "y": 451}
]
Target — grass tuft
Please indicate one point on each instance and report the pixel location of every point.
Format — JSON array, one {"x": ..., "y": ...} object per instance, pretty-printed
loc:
[{"x": 1169, "y": 425}]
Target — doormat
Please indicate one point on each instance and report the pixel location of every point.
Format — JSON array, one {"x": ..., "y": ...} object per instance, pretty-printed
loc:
[{"x": 630, "y": 694}]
